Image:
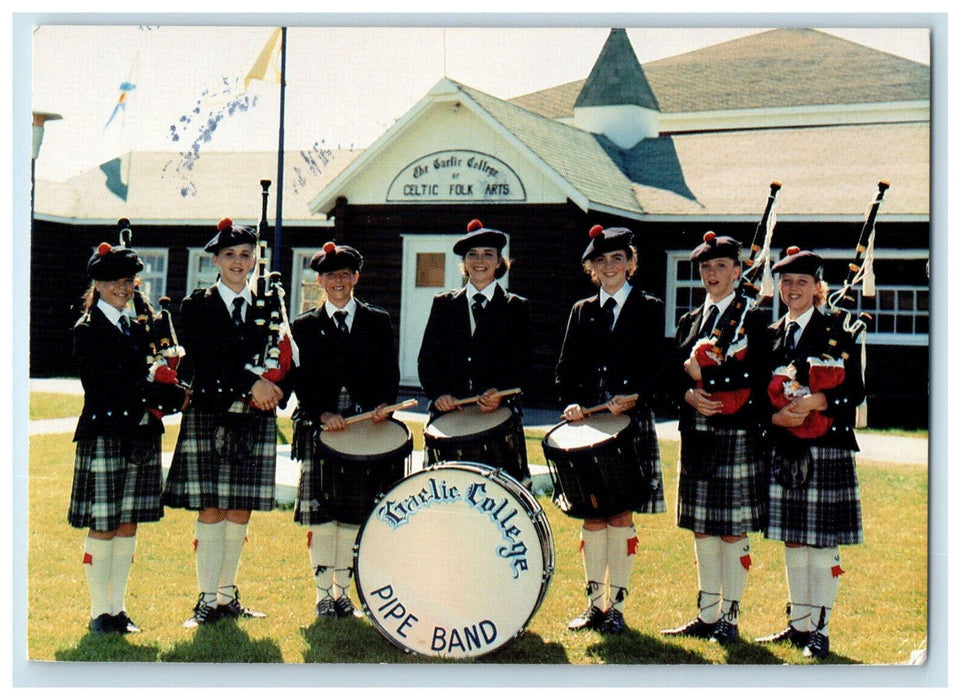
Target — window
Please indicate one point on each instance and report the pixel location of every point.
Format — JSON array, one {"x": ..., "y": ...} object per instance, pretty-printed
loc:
[
  {"x": 900, "y": 310},
  {"x": 306, "y": 293},
  {"x": 154, "y": 276}
]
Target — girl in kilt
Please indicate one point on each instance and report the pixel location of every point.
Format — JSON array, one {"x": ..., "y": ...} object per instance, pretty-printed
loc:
[
  {"x": 722, "y": 476},
  {"x": 612, "y": 352},
  {"x": 224, "y": 461},
  {"x": 814, "y": 503},
  {"x": 343, "y": 371},
  {"x": 117, "y": 464}
]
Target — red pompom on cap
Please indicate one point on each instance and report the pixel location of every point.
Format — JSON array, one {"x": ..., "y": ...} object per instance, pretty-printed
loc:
[
  {"x": 104, "y": 249},
  {"x": 474, "y": 225},
  {"x": 792, "y": 250},
  {"x": 224, "y": 224},
  {"x": 709, "y": 236},
  {"x": 596, "y": 231},
  {"x": 329, "y": 247}
]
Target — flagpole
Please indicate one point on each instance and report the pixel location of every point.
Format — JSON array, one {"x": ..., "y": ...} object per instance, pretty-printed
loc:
[{"x": 277, "y": 245}]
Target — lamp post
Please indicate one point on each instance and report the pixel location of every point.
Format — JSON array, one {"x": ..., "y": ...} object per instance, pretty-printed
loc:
[{"x": 40, "y": 118}]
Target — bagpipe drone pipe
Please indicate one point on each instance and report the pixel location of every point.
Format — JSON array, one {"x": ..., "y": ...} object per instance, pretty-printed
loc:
[
  {"x": 164, "y": 352},
  {"x": 828, "y": 370},
  {"x": 728, "y": 341},
  {"x": 277, "y": 353}
]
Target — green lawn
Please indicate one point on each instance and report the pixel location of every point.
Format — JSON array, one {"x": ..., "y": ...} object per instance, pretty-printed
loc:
[{"x": 880, "y": 616}]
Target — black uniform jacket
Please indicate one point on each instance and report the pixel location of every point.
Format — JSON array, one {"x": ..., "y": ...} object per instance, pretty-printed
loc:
[
  {"x": 498, "y": 355},
  {"x": 752, "y": 372},
  {"x": 217, "y": 352},
  {"x": 841, "y": 400},
  {"x": 365, "y": 362},
  {"x": 626, "y": 361},
  {"x": 114, "y": 373}
]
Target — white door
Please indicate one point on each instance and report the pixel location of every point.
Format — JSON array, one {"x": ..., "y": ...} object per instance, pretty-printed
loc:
[{"x": 429, "y": 267}]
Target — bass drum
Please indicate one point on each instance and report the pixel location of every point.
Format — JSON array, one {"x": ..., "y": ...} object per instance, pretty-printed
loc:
[{"x": 454, "y": 560}]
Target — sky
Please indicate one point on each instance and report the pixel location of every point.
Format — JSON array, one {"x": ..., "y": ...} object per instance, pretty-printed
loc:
[{"x": 345, "y": 86}]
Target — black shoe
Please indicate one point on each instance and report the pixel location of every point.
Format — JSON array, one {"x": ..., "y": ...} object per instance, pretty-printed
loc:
[
  {"x": 102, "y": 624},
  {"x": 326, "y": 608},
  {"x": 204, "y": 614},
  {"x": 124, "y": 625},
  {"x": 345, "y": 608},
  {"x": 590, "y": 619},
  {"x": 696, "y": 628},
  {"x": 234, "y": 609},
  {"x": 725, "y": 632},
  {"x": 817, "y": 647},
  {"x": 799, "y": 638},
  {"x": 614, "y": 622}
]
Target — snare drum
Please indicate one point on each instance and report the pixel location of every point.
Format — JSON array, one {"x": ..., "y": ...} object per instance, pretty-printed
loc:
[
  {"x": 470, "y": 435},
  {"x": 595, "y": 466},
  {"x": 454, "y": 560},
  {"x": 359, "y": 464}
]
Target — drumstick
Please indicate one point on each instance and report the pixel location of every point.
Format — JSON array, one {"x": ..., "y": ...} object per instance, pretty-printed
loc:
[
  {"x": 603, "y": 406},
  {"x": 473, "y": 399},
  {"x": 369, "y": 414}
]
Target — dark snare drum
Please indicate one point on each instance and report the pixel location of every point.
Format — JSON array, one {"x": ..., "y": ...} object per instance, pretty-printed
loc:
[
  {"x": 470, "y": 435},
  {"x": 454, "y": 560},
  {"x": 359, "y": 464},
  {"x": 595, "y": 466}
]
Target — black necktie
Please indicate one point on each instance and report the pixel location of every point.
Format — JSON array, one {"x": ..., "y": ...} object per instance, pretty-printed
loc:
[
  {"x": 608, "y": 309},
  {"x": 237, "y": 311},
  {"x": 340, "y": 317},
  {"x": 125, "y": 325},
  {"x": 789, "y": 344},
  {"x": 477, "y": 306},
  {"x": 709, "y": 325}
]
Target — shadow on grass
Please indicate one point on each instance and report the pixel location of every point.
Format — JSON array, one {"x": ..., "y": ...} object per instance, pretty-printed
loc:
[
  {"x": 108, "y": 647},
  {"x": 223, "y": 642},
  {"x": 632, "y": 647},
  {"x": 356, "y": 640}
]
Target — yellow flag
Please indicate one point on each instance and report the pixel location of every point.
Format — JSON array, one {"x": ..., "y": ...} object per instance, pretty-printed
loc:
[{"x": 266, "y": 65}]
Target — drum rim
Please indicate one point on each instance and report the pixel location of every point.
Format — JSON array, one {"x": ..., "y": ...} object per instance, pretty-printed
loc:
[
  {"x": 605, "y": 441},
  {"x": 407, "y": 446},
  {"x": 548, "y": 559},
  {"x": 501, "y": 426}
]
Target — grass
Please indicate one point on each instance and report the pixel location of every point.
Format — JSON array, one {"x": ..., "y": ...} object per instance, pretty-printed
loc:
[{"x": 880, "y": 616}]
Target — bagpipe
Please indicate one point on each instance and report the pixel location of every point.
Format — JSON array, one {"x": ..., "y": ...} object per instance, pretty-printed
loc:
[
  {"x": 828, "y": 370},
  {"x": 164, "y": 352},
  {"x": 277, "y": 353},
  {"x": 728, "y": 340}
]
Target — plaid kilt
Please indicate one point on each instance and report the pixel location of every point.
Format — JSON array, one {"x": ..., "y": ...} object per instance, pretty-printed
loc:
[
  {"x": 202, "y": 478},
  {"x": 646, "y": 443},
  {"x": 732, "y": 500},
  {"x": 108, "y": 490},
  {"x": 308, "y": 500},
  {"x": 826, "y": 511}
]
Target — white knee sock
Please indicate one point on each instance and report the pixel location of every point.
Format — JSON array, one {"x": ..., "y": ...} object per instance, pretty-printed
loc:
[
  {"x": 231, "y": 556},
  {"x": 824, "y": 573},
  {"x": 345, "y": 540},
  {"x": 322, "y": 557},
  {"x": 708, "y": 561},
  {"x": 736, "y": 560},
  {"x": 209, "y": 548},
  {"x": 797, "y": 579},
  {"x": 594, "y": 550},
  {"x": 97, "y": 569},
  {"x": 121, "y": 559},
  {"x": 622, "y": 547}
]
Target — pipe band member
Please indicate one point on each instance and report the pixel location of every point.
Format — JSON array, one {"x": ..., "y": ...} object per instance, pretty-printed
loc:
[
  {"x": 723, "y": 479},
  {"x": 224, "y": 461},
  {"x": 814, "y": 501},
  {"x": 611, "y": 357},
  {"x": 117, "y": 463},
  {"x": 478, "y": 338},
  {"x": 348, "y": 365}
]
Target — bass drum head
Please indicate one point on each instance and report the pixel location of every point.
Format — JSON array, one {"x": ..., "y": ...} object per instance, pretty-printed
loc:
[
  {"x": 366, "y": 438},
  {"x": 454, "y": 560},
  {"x": 586, "y": 432},
  {"x": 468, "y": 421}
]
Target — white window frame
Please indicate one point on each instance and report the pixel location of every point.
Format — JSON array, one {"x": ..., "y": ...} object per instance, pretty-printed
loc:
[
  {"x": 300, "y": 274},
  {"x": 673, "y": 257},
  {"x": 158, "y": 279}
]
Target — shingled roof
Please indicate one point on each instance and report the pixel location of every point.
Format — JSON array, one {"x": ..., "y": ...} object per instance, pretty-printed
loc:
[
  {"x": 616, "y": 78},
  {"x": 771, "y": 69}
]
